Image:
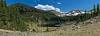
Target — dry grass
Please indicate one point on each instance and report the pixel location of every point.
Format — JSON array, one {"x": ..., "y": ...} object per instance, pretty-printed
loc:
[{"x": 89, "y": 30}]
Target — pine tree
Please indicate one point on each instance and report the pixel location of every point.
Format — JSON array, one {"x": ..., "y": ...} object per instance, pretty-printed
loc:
[
  {"x": 98, "y": 9},
  {"x": 4, "y": 12},
  {"x": 94, "y": 11}
]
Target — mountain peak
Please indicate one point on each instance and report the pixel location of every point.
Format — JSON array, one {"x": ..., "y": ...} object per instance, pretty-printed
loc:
[{"x": 74, "y": 12}]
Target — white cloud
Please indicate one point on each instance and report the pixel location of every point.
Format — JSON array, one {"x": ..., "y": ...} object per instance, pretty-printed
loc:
[
  {"x": 59, "y": 3},
  {"x": 47, "y": 7}
]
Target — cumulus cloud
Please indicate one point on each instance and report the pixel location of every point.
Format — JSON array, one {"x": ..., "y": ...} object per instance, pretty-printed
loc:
[{"x": 47, "y": 7}]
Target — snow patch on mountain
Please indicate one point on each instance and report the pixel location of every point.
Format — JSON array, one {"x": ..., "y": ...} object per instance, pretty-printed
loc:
[{"x": 73, "y": 13}]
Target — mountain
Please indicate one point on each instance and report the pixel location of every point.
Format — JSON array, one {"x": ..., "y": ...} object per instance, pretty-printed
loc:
[
  {"x": 22, "y": 17},
  {"x": 55, "y": 12},
  {"x": 37, "y": 15},
  {"x": 26, "y": 10},
  {"x": 73, "y": 13},
  {"x": 76, "y": 12}
]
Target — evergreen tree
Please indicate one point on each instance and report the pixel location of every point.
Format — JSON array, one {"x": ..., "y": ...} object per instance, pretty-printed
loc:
[
  {"x": 4, "y": 13},
  {"x": 94, "y": 13},
  {"x": 98, "y": 9}
]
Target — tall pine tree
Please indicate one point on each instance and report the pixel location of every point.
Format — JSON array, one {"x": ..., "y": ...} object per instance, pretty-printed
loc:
[
  {"x": 4, "y": 13},
  {"x": 98, "y": 9}
]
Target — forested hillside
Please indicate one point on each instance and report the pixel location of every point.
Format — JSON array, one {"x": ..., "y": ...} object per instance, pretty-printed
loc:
[{"x": 22, "y": 17}]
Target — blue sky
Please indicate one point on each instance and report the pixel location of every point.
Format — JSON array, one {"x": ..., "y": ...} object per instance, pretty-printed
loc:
[{"x": 64, "y": 5}]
